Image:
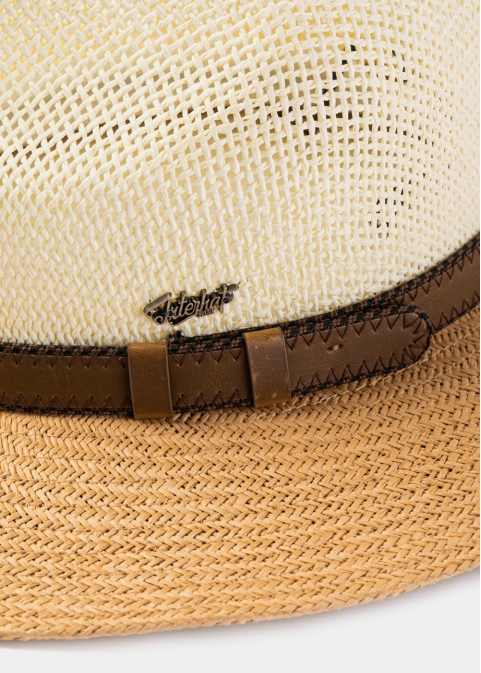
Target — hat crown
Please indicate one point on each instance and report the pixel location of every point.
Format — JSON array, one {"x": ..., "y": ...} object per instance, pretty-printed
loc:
[{"x": 313, "y": 154}]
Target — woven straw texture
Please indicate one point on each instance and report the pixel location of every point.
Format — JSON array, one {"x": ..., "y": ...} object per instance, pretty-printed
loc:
[
  {"x": 112, "y": 526},
  {"x": 315, "y": 152}
]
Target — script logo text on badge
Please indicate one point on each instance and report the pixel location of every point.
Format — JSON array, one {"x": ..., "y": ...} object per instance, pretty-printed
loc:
[{"x": 177, "y": 311}]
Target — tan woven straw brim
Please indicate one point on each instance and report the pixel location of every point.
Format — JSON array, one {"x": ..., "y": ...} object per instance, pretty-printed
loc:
[{"x": 113, "y": 526}]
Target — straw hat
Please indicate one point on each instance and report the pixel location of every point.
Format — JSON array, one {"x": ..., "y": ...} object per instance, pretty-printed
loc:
[{"x": 239, "y": 269}]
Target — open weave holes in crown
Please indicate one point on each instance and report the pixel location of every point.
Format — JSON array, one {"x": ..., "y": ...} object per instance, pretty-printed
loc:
[{"x": 315, "y": 152}]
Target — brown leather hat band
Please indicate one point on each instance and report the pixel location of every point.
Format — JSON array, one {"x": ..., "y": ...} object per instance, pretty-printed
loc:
[{"x": 245, "y": 367}]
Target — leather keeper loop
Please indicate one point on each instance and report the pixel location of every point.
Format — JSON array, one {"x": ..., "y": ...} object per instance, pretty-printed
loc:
[
  {"x": 266, "y": 354},
  {"x": 149, "y": 380}
]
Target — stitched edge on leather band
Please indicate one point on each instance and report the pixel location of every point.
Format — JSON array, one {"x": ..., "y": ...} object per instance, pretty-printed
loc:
[
  {"x": 382, "y": 307},
  {"x": 389, "y": 317}
]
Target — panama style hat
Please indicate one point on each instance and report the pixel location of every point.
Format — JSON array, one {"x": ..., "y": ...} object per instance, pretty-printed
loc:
[{"x": 239, "y": 267}]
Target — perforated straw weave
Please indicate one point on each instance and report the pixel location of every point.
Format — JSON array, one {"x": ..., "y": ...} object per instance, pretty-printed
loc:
[
  {"x": 113, "y": 526},
  {"x": 315, "y": 152}
]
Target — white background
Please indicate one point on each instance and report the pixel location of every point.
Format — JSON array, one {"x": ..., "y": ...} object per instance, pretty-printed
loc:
[{"x": 435, "y": 629}]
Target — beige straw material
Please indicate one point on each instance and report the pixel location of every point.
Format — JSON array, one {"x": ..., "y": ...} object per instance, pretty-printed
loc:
[
  {"x": 316, "y": 152},
  {"x": 112, "y": 526}
]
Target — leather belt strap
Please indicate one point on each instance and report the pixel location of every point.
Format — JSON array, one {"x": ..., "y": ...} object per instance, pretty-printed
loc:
[{"x": 245, "y": 367}]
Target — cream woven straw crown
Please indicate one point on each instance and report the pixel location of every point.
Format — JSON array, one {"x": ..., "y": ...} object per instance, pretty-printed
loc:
[{"x": 317, "y": 155}]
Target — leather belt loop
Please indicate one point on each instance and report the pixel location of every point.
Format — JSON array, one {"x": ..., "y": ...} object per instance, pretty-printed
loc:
[
  {"x": 266, "y": 354},
  {"x": 149, "y": 380}
]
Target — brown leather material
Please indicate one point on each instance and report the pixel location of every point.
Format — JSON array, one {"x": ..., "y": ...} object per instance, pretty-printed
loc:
[
  {"x": 381, "y": 334},
  {"x": 216, "y": 378},
  {"x": 149, "y": 380},
  {"x": 447, "y": 295},
  {"x": 63, "y": 382},
  {"x": 347, "y": 350},
  {"x": 266, "y": 354}
]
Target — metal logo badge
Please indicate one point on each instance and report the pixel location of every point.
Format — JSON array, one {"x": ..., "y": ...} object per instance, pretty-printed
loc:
[{"x": 181, "y": 309}]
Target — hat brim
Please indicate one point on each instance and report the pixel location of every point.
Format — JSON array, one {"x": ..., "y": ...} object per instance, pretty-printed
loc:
[{"x": 356, "y": 493}]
